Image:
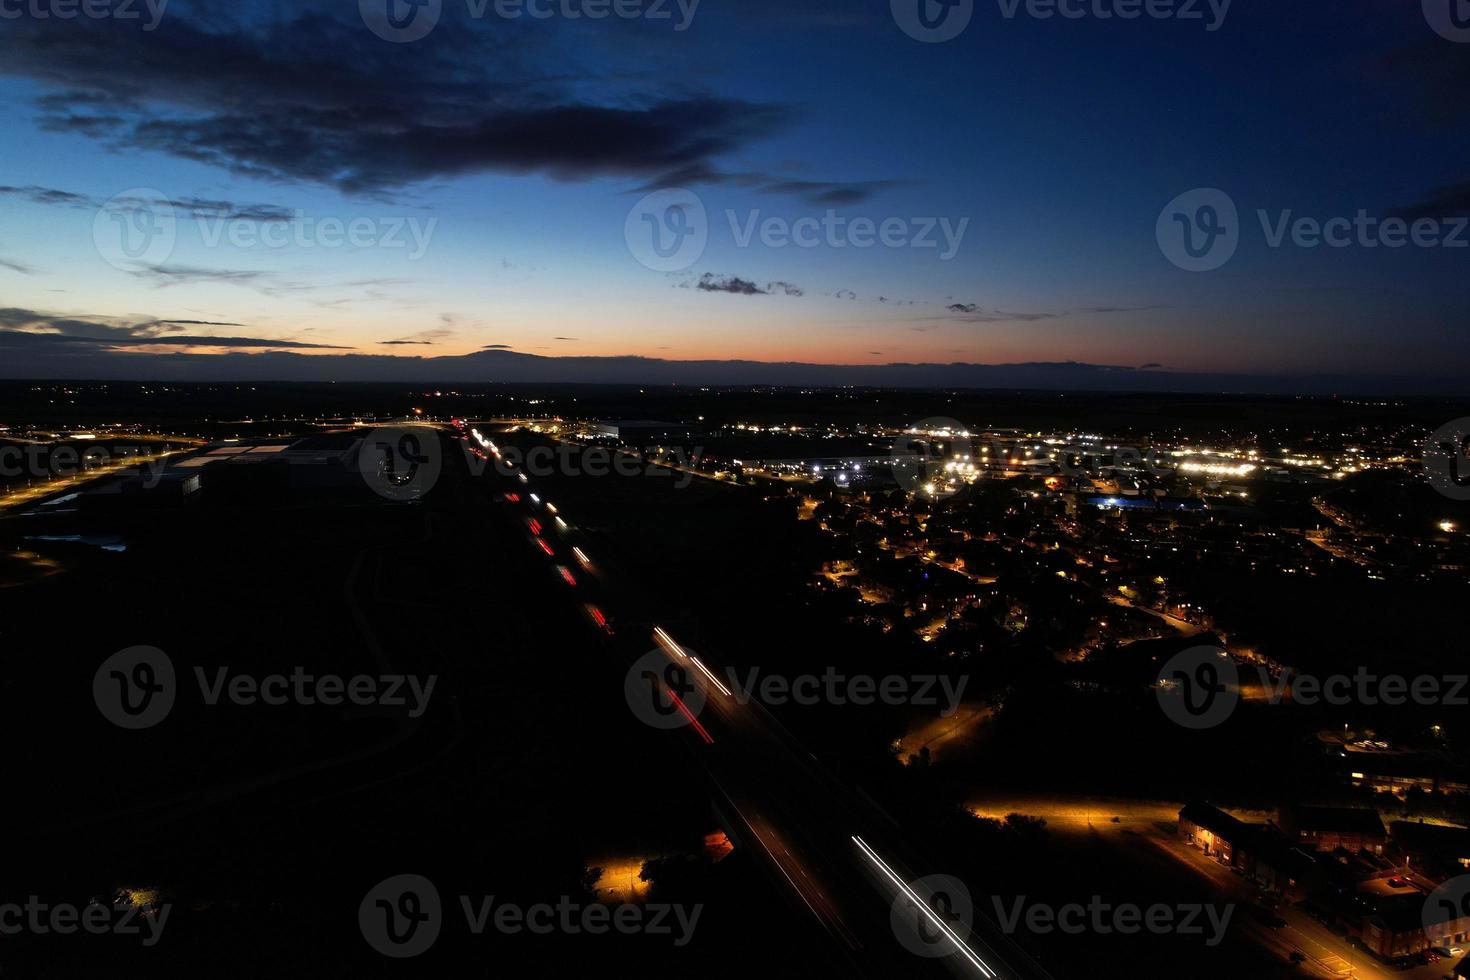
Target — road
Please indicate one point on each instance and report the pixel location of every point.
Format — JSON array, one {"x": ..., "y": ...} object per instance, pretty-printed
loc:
[{"x": 834, "y": 852}]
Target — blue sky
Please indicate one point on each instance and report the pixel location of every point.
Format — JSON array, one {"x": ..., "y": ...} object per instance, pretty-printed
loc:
[{"x": 518, "y": 148}]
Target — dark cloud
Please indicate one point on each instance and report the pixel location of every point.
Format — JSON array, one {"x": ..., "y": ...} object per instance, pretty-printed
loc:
[
  {"x": 176, "y": 275},
  {"x": 568, "y": 339},
  {"x": 424, "y": 338},
  {"x": 829, "y": 192},
  {"x": 305, "y": 94},
  {"x": 819, "y": 192},
  {"x": 711, "y": 283},
  {"x": 14, "y": 266},
  {"x": 971, "y": 313},
  {"x": 188, "y": 207},
  {"x": 496, "y": 347},
  {"x": 32, "y": 329},
  {"x": 1446, "y": 202},
  {"x": 49, "y": 196},
  {"x": 975, "y": 313}
]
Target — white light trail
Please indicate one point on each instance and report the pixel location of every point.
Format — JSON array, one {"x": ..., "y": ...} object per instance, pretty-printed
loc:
[
  {"x": 712, "y": 678},
  {"x": 923, "y": 907},
  {"x": 667, "y": 642}
]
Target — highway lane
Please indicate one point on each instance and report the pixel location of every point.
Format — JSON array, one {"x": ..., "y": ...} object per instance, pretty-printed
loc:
[{"x": 836, "y": 852}]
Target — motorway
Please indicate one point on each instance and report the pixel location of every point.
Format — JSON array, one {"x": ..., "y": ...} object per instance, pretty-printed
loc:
[{"x": 834, "y": 852}]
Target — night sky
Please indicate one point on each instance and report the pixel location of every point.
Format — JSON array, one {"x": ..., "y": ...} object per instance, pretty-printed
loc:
[{"x": 496, "y": 168}]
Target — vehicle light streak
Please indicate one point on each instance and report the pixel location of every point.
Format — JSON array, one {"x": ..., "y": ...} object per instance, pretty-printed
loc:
[
  {"x": 689, "y": 715},
  {"x": 566, "y": 575},
  {"x": 923, "y": 907},
  {"x": 545, "y": 547},
  {"x": 712, "y": 678},
  {"x": 667, "y": 642},
  {"x": 582, "y": 558}
]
